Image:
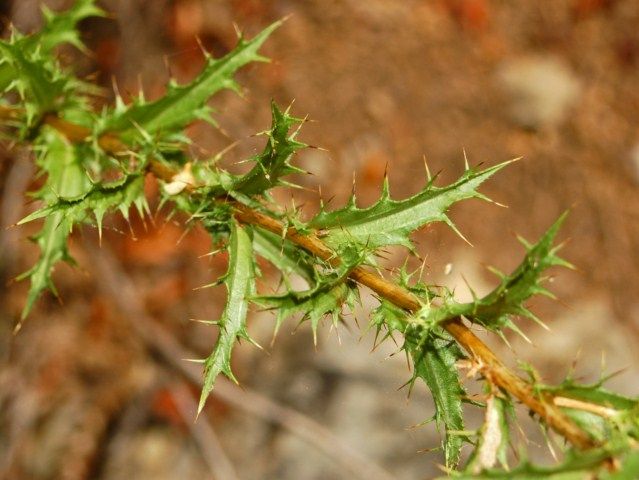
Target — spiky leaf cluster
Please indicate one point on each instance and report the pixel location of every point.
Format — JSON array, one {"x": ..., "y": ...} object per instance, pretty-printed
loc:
[
  {"x": 610, "y": 418},
  {"x": 130, "y": 140},
  {"x": 71, "y": 199},
  {"x": 275, "y": 161},
  {"x": 28, "y": 67},
  {"x": 66, "y": 178},
  {"x": 331, "y": 292},
  {"x": 434, "y": 355}
]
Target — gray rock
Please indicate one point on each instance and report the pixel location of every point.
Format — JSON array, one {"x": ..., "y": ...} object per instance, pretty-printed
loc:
[{"x": 541, "y": 89}]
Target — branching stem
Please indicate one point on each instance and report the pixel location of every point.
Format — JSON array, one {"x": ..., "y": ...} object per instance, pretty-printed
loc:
[{"x": 493, "y": 369}]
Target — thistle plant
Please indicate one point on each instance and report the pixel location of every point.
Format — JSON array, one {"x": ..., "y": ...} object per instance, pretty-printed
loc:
[{"x": 95, "y": 162}]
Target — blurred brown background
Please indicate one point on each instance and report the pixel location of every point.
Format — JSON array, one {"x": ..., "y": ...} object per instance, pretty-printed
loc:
[{"x": 95, "y": 386}]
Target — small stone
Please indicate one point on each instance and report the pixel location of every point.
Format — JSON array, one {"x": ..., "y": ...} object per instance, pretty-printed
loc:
[{"x": 542, "y": 90}]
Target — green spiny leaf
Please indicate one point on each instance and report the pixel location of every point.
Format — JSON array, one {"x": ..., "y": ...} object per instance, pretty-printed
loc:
[
  {"x": 69, "y": 196},
  {"x": 58, "y": 28},
  {"x": 434, "y": 360},
  {"x": 240, "y": 283},
  {"x": 326, "y": 298},
  {"x": 434, "y": 354},
  {"x": 35, "y": 79},
  {"x": 62, "y": 162},
  {"x": 496, "y": 310},
  {"x": 61, "y": 27},
  {"x": 121, "y": 195},
  {"x": 274, "y": 162},
  {"x": 52, "y": 241},
  {"x": 390, "y": 222},
  {"x": 43, "y": 86},
  {"x": 66, "y": 177},
  {"x": 184, "y": 104},
  {"x": 389, "y": 317}
]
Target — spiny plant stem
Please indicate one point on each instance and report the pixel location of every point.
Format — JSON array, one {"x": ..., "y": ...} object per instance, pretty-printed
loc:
[
  {"x": 97, "y": 166},
  {"x": 491, "y": 367}
]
